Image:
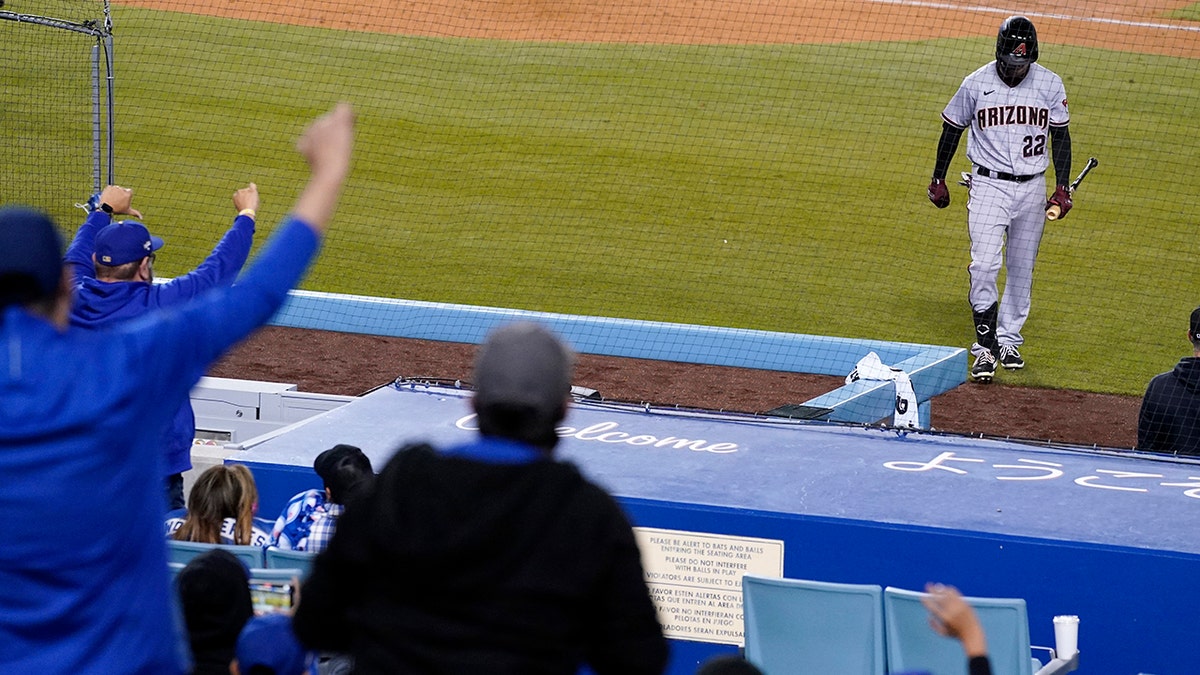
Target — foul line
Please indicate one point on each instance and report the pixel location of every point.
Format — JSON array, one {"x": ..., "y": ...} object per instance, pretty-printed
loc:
[{"x": 1039, "y": 15}]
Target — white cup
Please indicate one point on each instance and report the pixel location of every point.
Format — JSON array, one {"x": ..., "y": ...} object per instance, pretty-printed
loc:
[{"x": 1066, "y": 636}]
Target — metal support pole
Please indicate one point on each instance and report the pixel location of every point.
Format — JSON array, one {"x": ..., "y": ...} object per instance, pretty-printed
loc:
[
  {"x": 108, "y": 51},
  {"x": 96, "y": 118}
]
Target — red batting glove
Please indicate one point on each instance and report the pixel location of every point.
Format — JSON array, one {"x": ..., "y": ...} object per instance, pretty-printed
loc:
[
  {"x": 939, "y": 194},
  {"x": 1062, "y": 199}
]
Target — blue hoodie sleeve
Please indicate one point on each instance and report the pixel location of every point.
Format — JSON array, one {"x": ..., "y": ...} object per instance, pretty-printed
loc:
[
  {"x": 220, "y": 268},
  {"x": 182, "y": 341},
  {"x": 79, "y": 253}
]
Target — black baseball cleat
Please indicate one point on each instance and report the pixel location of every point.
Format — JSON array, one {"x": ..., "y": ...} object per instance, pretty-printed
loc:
[
  {"x": 1010, "y": 358},
  {"x": 985, "y": 367}
]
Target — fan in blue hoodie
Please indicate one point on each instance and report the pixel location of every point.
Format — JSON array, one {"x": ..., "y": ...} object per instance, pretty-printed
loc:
[
  {"x": 112, "y": 267},
  {"x": 84, "y": 586}
]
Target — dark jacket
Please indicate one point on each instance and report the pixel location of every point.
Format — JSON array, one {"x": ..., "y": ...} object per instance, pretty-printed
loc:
[
  {"x": 458, "y": 563},
  {"x": 1169, "y": 420}
]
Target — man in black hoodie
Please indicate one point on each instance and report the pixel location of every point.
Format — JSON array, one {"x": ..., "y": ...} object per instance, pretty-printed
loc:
[
  {"x": 490, "y": 556},
  {"x": 1170, "y": 417}
]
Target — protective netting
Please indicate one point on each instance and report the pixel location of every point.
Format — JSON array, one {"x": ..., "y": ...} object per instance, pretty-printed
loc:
[
  {"x": 49, "y": 88},
  {"x": 737, "y": 164}
]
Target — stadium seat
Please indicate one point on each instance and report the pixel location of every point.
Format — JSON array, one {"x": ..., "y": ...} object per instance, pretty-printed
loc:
[
  {"x": 913, "y": 646},
  {"x": 799, "y": 626},
  {"x": 274, "y": 573},
  {"x": 302, "y": 560},
  {"x": 183, "y": 551}
]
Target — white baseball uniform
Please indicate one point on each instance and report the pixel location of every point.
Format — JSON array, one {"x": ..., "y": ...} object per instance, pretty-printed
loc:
[{"x": 1009, "y": 146}]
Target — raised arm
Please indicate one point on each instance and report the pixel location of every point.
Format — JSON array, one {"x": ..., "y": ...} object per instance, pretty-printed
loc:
[
  {"x": 326, "y": 145},
  {"x": 222, "y": 265},
  {"x": 182, "y": 344},
  {"x": 114, "y": 200},
  {"x": 950, "y": 615}
]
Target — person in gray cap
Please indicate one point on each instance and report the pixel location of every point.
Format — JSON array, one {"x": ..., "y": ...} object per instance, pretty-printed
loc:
[
  {"x": 490, "y": 556},
  {"x": 113, "y": 266},
  {"x": 1169, "y": 419},
  {"x": 83, "y": 570}
]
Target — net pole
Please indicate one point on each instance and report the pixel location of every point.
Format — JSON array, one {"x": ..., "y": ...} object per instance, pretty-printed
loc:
[
  {"x": 108, "y": 65},
  {"x": 96, "y": 118}
]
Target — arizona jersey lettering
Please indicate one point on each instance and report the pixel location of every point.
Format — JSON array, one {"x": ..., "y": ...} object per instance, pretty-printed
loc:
[
  {"x": 1012, "y": 114},
  {"x": 1009, "y": 125}
]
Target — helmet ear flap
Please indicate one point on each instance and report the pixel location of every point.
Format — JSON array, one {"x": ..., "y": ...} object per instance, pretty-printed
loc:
[{"x": 1016, "y": 42}]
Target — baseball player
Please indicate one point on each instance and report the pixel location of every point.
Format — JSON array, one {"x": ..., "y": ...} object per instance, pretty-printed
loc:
[{"x": 1017, "y": 113}]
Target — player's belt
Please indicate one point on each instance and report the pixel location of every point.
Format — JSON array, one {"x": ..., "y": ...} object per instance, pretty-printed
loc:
[{"x": 988, "y": 173}]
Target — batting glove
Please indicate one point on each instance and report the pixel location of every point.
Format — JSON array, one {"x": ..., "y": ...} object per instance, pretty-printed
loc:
[
  {"x": 939, "y": 194},
  {"x": 1061, "y": 199}
]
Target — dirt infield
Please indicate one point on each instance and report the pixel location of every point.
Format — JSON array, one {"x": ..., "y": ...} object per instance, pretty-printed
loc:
[
  {"x": 350, "y": 364},
  {"x": 342, "y": 363},
  {"x": 1133, "y": 25}
]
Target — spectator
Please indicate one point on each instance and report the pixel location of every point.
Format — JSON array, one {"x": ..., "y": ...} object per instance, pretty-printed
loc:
[
  {"x": 294, "y": 523},
  {"x": 113, "y": 268},
  {"x": 491, "y": 556},
  {"x": 214, "y": 594},
  {"x": 83, "y": 569},
  {"x": 950, "y": 615},
  {"x": 268, "y": 646},
  {"x": 220, "y": 509},
  {"x": 1169, "y": 420},
  {"x": 310, "y": 517}
]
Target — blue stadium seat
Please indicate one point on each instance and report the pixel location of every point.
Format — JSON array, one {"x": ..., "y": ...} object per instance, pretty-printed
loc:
[
  {"x": 274, "y": 573},
  {"x": 302, "y": 560},
  {"x": 184, "y": 551},
  {"x": 799, "y": 626},
  {"x": 912, "y": 645}
]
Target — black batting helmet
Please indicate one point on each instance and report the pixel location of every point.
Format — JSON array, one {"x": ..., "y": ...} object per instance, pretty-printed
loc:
[{"x": 1017, "y": 43}]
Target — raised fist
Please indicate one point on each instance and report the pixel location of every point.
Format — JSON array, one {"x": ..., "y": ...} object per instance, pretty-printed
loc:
[
  {"x": 939, "y": 194},
  {"x": 327, "y": 142},
  {"x": 118, "y": 200},
  {"x": 246, "y": 198},
  {"x": 1060, "y": 199}
]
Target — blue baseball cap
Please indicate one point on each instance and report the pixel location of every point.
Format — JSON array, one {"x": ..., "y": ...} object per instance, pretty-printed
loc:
[
  {"x": 269, "y": 641},
  {"x": 30, "y": 248},
  {"x": 125, "y": 241}
]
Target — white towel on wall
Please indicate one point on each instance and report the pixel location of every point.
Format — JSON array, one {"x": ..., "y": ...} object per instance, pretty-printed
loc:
[{"x": 870, "y": 367}]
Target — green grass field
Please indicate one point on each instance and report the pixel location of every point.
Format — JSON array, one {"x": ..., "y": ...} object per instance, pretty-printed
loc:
[
  {"x": 777, "y": 187},
  {"x": 1189, "y": 13}
]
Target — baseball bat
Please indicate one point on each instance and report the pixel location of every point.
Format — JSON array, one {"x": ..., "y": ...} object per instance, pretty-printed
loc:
[{"x": 1055, "y": 211}]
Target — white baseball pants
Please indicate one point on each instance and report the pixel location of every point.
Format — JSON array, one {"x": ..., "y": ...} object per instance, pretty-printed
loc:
[{"x": 1005, "y": 220}]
